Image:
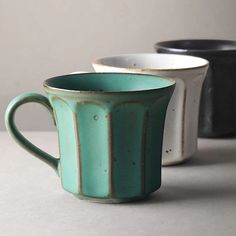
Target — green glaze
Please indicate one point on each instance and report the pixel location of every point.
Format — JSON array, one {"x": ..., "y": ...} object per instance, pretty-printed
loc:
[{"x": 110, "y": 129}]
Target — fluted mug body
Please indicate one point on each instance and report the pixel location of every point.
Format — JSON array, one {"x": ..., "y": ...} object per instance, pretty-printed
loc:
[
  {"x": 217, "y": 117},
  {"x": 181, "y": 126},
  {"x": 110, "y": 129}
]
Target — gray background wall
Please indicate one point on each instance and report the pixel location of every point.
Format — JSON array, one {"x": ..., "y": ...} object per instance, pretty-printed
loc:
[{"x": 43, "y": 38}]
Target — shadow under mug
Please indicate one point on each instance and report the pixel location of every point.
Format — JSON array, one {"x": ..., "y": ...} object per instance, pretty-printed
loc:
[
  {"x": 217, "y": 108},
  {"x": 110, "y": 129},
  {"x": 181, "y": 125}
]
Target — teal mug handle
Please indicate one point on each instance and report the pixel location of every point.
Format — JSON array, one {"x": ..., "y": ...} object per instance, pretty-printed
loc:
[{"x": 18, "y": 137}]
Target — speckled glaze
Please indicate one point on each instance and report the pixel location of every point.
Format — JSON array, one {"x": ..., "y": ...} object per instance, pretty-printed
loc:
[
  {"x": 217, "y": 108},
  {"x": 181, "y": 125},
  {"x": 108, "y": 127}
]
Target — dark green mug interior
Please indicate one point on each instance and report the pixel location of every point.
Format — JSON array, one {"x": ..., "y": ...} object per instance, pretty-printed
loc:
[{"x": 107, "y": 82}]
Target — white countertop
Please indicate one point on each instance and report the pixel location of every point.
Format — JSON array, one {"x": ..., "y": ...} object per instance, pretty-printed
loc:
[{"x": 196, "y": 198}]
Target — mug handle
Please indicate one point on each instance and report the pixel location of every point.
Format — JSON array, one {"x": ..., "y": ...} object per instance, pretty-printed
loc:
[{"x": 15, "y": 133}]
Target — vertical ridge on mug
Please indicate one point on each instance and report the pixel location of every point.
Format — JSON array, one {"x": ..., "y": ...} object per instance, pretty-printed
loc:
[
  {"x": 93, "y": 128},
  {"x": 68, "y": 146},
  {"x": 127, "y": 122}
]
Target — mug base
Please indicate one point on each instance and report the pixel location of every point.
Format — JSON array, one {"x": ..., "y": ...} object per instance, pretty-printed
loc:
[
  {"x": 175, "y": 162},
  {"x": 217, "y": 135},
  {"x": 111, "y": 200}
]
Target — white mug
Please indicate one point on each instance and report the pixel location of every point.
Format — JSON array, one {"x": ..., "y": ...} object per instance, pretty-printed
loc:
[
  {"x": 181, "y": 125},
  {"x": 78, "y": 72}
]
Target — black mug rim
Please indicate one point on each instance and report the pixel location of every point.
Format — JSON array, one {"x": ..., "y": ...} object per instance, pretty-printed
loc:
[{"x": 169, "y": 45}]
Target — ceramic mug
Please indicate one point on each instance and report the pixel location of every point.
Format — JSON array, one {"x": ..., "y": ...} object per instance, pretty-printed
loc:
[
  {"x": 217, "y": 108},
  {"x": 79, "y": 72},
  {"x": 108, "y": 126},
  {"x": 180, "y": 134}
]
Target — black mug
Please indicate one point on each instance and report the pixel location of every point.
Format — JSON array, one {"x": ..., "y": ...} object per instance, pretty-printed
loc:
[{"x": 217, "y": 115}]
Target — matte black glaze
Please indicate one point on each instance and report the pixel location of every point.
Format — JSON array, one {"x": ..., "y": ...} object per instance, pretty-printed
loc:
[{"x": 217, "y": 117}]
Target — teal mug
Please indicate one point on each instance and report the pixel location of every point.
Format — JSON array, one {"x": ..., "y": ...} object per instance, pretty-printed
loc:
[{"x": 110, "y": 128}]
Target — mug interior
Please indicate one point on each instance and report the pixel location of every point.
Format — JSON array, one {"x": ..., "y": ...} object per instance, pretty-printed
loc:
[
  {"x": 198, "y": 45},
  {"x": 107, "y": 82},
  {"x": 152, "y": 61}
]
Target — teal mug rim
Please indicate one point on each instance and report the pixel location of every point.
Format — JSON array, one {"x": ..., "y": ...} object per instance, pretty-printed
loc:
[{"x": 54, "y": 88}]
